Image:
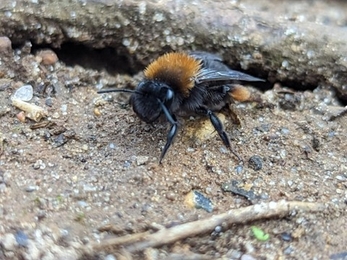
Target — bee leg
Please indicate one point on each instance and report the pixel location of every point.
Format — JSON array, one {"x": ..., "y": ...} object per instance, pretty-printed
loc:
[
  {"x": 218, "y": 126},
  {"x": 173, "y": 130},
  {"x": 170, "y": 137}
]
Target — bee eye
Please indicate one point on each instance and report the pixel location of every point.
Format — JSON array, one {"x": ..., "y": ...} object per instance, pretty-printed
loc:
[{"x": 169, "y": 94}]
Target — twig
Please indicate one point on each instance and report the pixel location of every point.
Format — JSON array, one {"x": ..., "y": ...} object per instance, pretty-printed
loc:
[
  {"x": 120, "y": 241},
  {"x": 33, "y": 112},
  {"x": 141, "y": 241}
]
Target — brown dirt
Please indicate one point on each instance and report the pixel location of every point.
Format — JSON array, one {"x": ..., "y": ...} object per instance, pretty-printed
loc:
[{"x": 98, "y": 165}]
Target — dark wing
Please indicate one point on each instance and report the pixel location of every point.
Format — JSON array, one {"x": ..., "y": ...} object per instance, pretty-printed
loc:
[
  {"x": 204, "y": 56},
  {"x": 209, "y": 60},
  {"x": 215, "y": 72},
  {"x": 215, "y": 77}
]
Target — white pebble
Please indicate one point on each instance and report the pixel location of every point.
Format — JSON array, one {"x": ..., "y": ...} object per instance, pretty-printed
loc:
[
  {"x": 24, "y": 93},
  {"x": 141, "y": 160},
  {"x": 247, "y": 257},
  {"x": 110, "y": 257},
  {"x": 8, "y": 242}
]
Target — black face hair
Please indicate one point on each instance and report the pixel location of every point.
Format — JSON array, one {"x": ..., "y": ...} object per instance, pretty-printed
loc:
[
  {"x": 187, "y": 84},
  {"x": 149, "y": 103}
]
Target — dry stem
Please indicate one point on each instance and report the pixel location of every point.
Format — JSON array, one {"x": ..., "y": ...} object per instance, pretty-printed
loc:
[
  {"x": 33, "y": 112},
  {"x": 141, "y": 241}
]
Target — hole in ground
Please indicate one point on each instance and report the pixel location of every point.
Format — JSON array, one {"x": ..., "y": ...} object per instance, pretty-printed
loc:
[{"x": 109, "y": 59}]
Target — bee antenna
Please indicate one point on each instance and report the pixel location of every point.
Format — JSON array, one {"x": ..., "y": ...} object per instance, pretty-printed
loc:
[{"x": 119, "y": 90}]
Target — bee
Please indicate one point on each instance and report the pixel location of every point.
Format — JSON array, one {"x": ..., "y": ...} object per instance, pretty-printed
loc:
[{"x": 183, "y": 84}]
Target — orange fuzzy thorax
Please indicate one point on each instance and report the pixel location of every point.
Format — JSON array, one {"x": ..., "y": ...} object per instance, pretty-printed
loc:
[{"x": 179, "y": 69}]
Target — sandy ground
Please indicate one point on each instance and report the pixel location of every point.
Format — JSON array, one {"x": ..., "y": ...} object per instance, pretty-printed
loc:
[
  {"x": 91, "y": 163},
  {"x": 89, "y": 170}
]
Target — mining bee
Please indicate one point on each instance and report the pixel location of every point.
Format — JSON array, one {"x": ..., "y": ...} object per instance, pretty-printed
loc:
[{"x": 183, "y": 84}]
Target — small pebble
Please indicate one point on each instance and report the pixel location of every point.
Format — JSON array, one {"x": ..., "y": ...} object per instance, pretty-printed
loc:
[
  {"x": 33, "y": 251},
  {"x": 171, "y": 196},
  {"x": 2, "y": 187},
  {"x": 249, "y": 247},
  {"x": 195, "y": 199},
  {"x": 285, "y": 131},
  {"x": 64, "y": 232},
  {"x": 263, "y": 128},
  {"x": 341, "y": 178},
  {"x": 5, "y": 44},
  {"x": 5, "y": 83},
  {"x": 110, "y": 257},
  {"x": 89, "y": 188},
  {"x": 8, "y": 242},
  {"x": 41, "y": 215},
  {"x": 286, "y": 236},
  {"x": 190, "y": 150},
  {"x": 60, "y": 140},
  {"x": 223, "y": 150},
  {"x": 316, "y": 143},
  {"x": 85, "y": 240},
  {"x": 218, "y": 229},
  {"x": 239, "y": 169},
  {"x": 255, "y": 162},
  {"x": 49, "y": 102},
  {"x": 39, "y": 164},
  {"x": 233, "y": 254},
  {"x": 48, "y": 57},
  {"x": 288, "y": 250},
  {"x": 63, "y": 109},
  {"x": 141, "y": 160},
  {"x": 239, "y": 188},
  {"x": 21, "y": 238},
  {"x": 31, "y": 188},
  {"x": 97, "y": 111},
  {"x": 24, "y": 93},
  {"x": 127, "y": 164},
  {"x": 82, "y": 203},
  {"x": 339, "y": 256},
  {"x": 247, "y": 257},
  {"x": 298, "y": 232},
  {"x": 85, "y": 147},
  {"x": 21, "y": 116}
]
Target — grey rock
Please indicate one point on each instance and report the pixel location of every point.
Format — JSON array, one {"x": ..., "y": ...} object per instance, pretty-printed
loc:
[
  {"x": 32, "y": 251},
  {"x": 24, "y": 93},
  {"x": 21, "y": 238},
  {"x": 5, "y": 44},
  {"x": 2, "y": 187},
  {"x": 31, "y": 188},
  {"x": 8, "y": 242},
  {"x": 280, "y": 48},
  {"x": 110, "y": 257},
  {"x": 141, "y": 160}
]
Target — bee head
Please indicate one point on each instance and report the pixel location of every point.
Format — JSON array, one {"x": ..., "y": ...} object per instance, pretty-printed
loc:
[{"x": 149, "y": 97}]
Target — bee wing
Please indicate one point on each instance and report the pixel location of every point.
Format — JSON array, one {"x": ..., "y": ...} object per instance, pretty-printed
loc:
[
  {"x": 205, "y": 56},
  {"x": 214, "y": 77}
]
